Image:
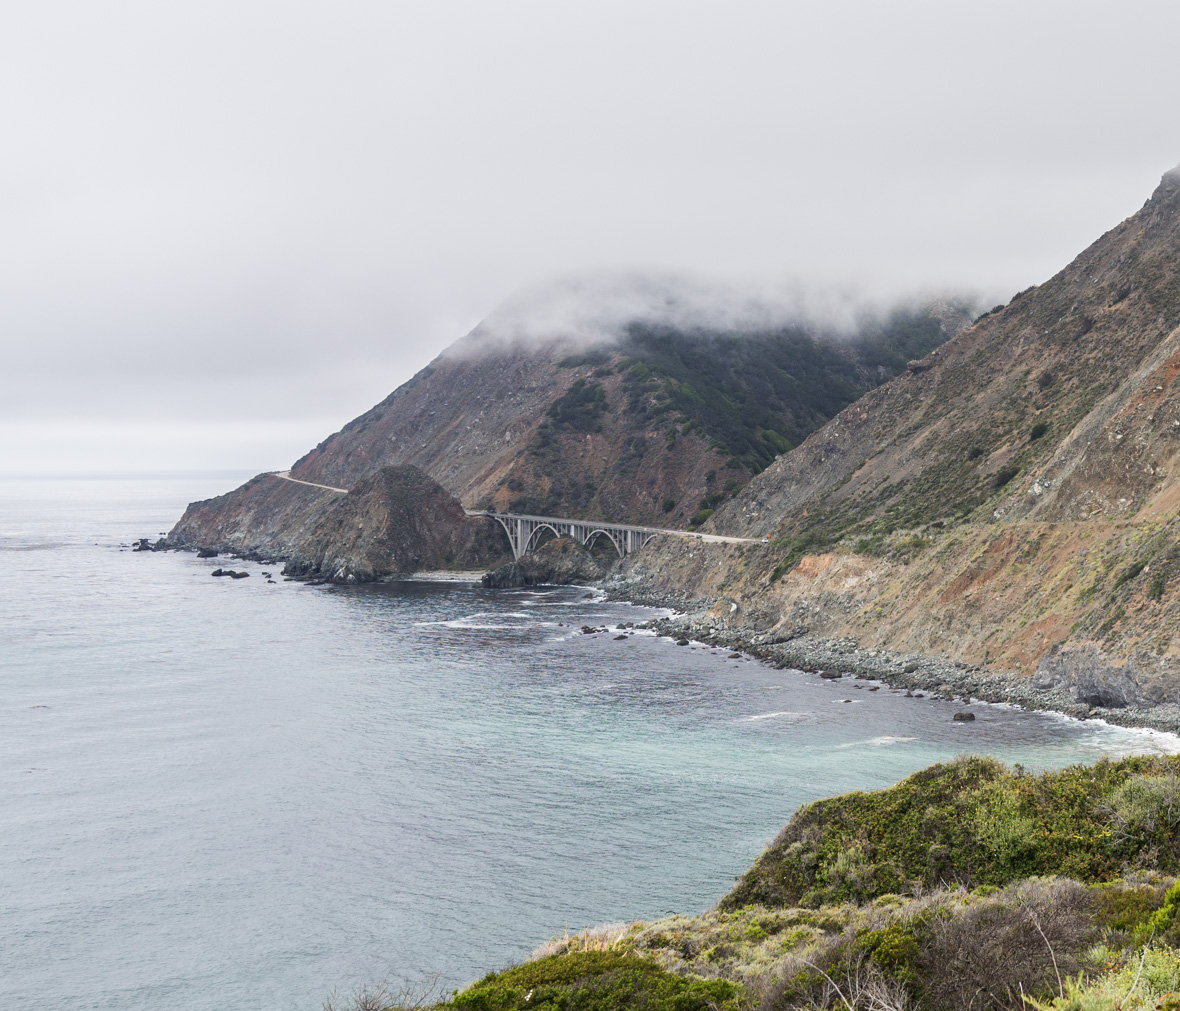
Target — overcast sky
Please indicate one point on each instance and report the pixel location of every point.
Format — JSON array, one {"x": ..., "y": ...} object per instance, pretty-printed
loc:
[{"x": 229, "y": 227}]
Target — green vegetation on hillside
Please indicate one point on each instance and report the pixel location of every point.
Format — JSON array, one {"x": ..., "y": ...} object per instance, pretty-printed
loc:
[
  {"x": 973, "y": 822},
  {"x": 756, "y": 395},
  {"x": 595, "y": 981},
  {"x": 579, "y": 408}
]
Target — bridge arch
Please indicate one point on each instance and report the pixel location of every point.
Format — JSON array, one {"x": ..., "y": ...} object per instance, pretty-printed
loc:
[
  {"x": 609, "y": 535},
  {"x": 531, "y": 540}
]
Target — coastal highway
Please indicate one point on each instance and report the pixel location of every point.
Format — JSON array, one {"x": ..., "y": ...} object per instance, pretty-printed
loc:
[
  {"x": 286, "y": 476},
  {"x": 715, "y": 538}
]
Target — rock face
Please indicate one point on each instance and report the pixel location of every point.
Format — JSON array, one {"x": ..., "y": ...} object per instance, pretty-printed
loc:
[
  {"x": 1012, "y": 502},
  {"x": 265, "y": 518},
  {"x": 396, "y": 522},
  {"x": 559, "y": 562}
]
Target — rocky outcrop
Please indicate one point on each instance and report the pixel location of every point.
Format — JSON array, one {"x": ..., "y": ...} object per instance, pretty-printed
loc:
[
  {"x": 395, "y": 522},
  {"x": 266, "y": 518},
  {"x": 559, "y": 562}
]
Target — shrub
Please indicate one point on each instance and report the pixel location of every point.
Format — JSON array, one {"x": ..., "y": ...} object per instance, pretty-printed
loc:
[
  {"x": 669, "y": 505},
  {"x": 1021, "y": 941},
  {"x": 1129, "y": 573},
  {"x": 579, "y": 408},
  {"x": 1039, "y": 429},
  {"x": 700, "y": 517},
  {"x": 1004, "y": 475},
  {"x": 596, "y": 981},
  {"x": 1145, "y": 810},
  {"x": 1159, "y": 580}
]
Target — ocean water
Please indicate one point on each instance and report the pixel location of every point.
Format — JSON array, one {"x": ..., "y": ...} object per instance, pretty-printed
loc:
[{"x": 230, "y": 794}]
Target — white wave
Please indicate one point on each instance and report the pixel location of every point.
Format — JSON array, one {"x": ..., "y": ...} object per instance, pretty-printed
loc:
[
  {"x": 877, "y": 742},
  {"x": 774, "y": 716}
]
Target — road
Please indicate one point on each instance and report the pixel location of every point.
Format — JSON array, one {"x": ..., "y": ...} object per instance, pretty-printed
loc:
[
  {"x": 713, "y": 538},
  {"x": 286, "y": 476}
]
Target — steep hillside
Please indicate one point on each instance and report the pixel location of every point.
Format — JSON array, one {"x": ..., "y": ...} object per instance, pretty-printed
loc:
[
  {"x": 1011, "y": 499},
  {"x": 568, "y": 431},
  {"x": 394, "y": 522},
  {"x": 658, "y": 427}
]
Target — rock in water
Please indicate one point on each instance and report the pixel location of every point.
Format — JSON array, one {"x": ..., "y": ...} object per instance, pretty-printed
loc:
[
  {"x": 559, "y": 562},
  {"x": 964, "y": 717}
]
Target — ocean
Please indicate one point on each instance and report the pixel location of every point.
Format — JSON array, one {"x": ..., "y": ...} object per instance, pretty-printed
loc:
[{"x": 225, "y": 793}]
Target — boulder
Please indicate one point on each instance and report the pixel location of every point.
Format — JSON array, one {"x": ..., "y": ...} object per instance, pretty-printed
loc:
[
  {"x": 964, "y": 717},
  {"x": 559, "y": 562}
]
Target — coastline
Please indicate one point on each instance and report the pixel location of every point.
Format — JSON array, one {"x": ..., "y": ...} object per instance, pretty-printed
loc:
[{"x": 932, "y": 675}]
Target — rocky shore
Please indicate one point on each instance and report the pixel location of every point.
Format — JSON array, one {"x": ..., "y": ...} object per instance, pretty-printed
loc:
[{"x": 915, "y": 672}]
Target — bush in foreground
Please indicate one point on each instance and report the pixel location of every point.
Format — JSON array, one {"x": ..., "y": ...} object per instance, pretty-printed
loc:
[{"x": 973, "y": 822}]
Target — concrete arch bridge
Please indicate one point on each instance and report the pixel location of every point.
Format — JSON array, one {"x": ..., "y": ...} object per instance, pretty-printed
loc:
[{"x": 524, "y": 532}]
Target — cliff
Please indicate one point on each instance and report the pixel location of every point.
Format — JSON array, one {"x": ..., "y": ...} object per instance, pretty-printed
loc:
[
  {"x": 395, "y": 522},
  {"x": 1010, "y": 501}
]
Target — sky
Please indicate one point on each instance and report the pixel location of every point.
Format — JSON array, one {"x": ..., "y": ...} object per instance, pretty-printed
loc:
[{"x": 228, "y": 228}]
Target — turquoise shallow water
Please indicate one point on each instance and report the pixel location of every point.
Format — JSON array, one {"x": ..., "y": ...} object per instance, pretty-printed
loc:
[{"x": 224, "y": 794}]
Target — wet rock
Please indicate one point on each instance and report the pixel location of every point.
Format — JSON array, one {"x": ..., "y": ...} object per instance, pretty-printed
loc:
[
  {"x": 682, "y": 642},
  {"x": 206, "y": 553},
  {"x": 618, "y": 637},
  {"x": 964, "y": 717},
  {"x": 506, "y": 577},
  {"x": 830, "y": 675}
]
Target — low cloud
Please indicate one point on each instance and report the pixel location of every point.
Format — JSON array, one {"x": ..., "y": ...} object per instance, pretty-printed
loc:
[{"x": 595, "y": 309}]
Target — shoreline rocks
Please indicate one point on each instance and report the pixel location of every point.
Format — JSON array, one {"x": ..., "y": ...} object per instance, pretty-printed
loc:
[
  {"x": 913, "y": 672},
  {"x": 559, "y": 562}
]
